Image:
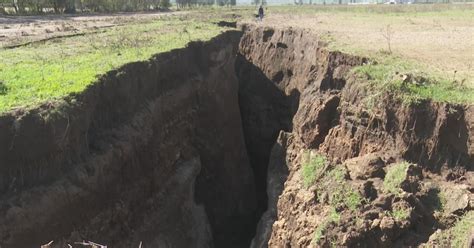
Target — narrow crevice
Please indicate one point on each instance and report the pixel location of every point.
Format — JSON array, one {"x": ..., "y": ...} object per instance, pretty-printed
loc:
[{"x": 265, "y": 111}]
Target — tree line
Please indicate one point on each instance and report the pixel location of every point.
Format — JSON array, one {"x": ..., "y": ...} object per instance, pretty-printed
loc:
[
  {"x": 73, "y": 6},
  {"x": 193, "y": 3}
]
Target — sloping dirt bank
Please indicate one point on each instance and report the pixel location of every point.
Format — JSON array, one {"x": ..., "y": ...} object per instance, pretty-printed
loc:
[
  {"x": 154, "y": 152},
  {"x": 195, "y": 146},
  {"x": 326, "y": 182}
]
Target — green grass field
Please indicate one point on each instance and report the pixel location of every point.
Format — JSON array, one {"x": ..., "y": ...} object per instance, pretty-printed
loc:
[
  {"x": 430, "y": 45},
  {"x": 50, "y": 70},
  {"x": 411, "y": 83}
]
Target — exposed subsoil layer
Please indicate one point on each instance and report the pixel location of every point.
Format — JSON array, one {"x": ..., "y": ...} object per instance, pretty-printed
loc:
[{"x": 195, "y": 146}]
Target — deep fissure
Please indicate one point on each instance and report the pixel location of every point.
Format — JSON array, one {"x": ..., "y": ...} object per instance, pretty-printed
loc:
[
  {"x": 178, "y": 150},
  {"x": 265, "y": 111}
]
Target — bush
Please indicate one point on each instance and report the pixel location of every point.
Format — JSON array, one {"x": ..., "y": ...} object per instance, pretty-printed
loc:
[{"x": 164, "y": 4}]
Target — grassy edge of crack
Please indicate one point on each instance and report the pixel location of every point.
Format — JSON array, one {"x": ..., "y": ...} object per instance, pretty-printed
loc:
[
  {"x": 458, "y": 234},
  {"x": 51, "y": 70},
  {"x": 409, "y": 82}
]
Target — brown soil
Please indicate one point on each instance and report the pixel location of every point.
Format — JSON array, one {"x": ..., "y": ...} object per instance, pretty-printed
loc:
[
  {"x": 150, "y": 153},
  {"x": 195, "y": 146},
  {"x": 333, "y": 120}
]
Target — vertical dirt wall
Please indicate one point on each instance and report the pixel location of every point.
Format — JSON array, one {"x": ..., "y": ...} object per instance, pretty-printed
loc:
[
  {"x": 310, "y": 94},
  {"x": 153, "y": 152}
]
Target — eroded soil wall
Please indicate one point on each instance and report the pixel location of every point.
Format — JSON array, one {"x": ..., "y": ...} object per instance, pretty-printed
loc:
[
  {"x": 325, "y": 110},
  {"x": 195, "y": 146},
  {"x": 153, "y": 152}
]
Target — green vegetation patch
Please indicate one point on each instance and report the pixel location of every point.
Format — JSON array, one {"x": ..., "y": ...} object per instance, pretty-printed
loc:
[
  {"x": 333, "y": 185},
  {"x": 333, "y": 216},
  {"x": 462, "y": 230},
  {"x": 313, "y": 164},
  {"x": 459, "y": 235},
  {"x": 51, "y": 70},
  {"x": 395, "y": 176},
  {"x": 406, "y": 81},
  {"x": 340, "y": 192},
  {"x": 436, "y": 199},
  {"x": 400, "y": 213},
  {"x": 315, "y": 170}
]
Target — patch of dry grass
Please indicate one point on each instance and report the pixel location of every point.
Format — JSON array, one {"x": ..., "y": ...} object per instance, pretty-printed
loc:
[{"x": 438, "y": 37}]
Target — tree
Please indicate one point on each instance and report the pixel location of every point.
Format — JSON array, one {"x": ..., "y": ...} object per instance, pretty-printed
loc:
[{"x": 70, "y": 7}]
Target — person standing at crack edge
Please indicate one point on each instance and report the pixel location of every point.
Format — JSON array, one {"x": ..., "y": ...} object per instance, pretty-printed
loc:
[{"x": 260, "y": 13}]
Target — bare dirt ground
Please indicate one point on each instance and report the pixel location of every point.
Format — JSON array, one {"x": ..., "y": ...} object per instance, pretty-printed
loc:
[
  {"x": 443, "y": 41},
  {"x": 17, "y": 30}
]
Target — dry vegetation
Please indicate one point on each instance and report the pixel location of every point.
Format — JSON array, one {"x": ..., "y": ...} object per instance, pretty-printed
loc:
[{"x": 438, "y": 37}]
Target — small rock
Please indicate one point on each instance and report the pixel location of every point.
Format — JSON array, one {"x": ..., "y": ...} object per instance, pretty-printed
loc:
[
  {"x": 457, "y": 199},
  {"x": 375, "y": 224},
  {"x": 364, "y": 167},
  {"x": 348, "y": 237},
  {"x": 372, "y": 214},
  {"x": 434, "y": 236},
  {"x": 387, "y": 223},
  {"x": 324, "y": 197}
]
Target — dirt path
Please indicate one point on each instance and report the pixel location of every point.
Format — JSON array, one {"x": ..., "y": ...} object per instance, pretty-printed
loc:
[{"x": 18, "y": 30}]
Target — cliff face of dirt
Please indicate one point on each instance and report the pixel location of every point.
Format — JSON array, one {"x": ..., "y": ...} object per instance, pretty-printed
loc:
[
  {"x": 360, "y": 144},
  {"x": 154, "y": 152},
  {"x": 195, "y": 146}
]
